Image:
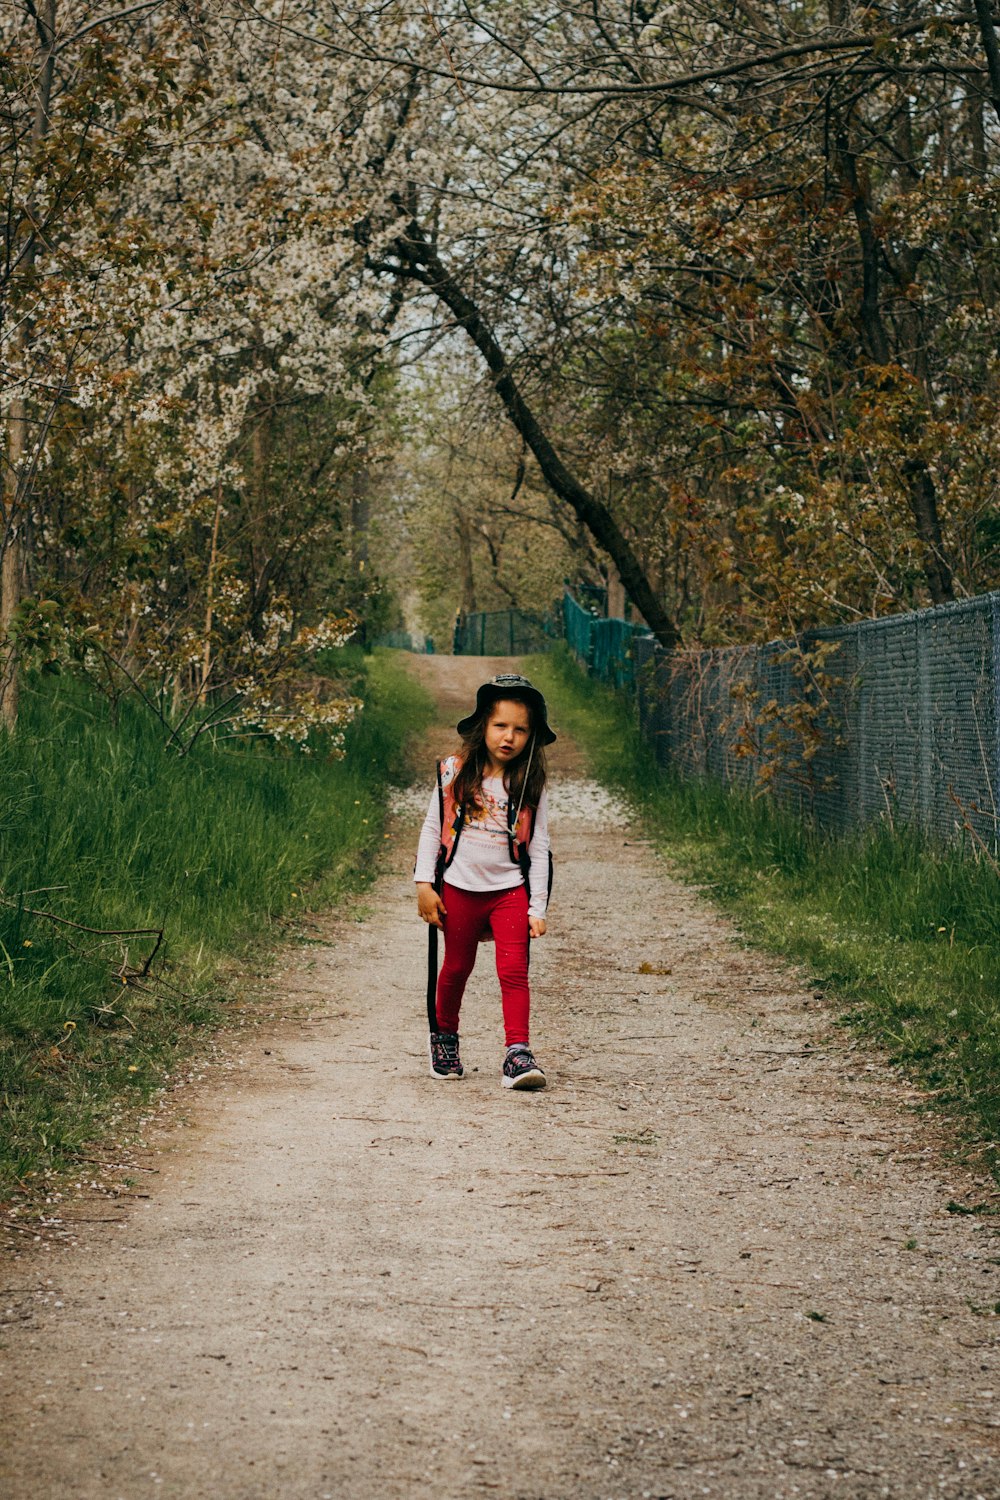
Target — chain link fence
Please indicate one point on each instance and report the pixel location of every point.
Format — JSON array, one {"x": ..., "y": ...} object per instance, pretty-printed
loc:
[{"x": 896, "y": 718}]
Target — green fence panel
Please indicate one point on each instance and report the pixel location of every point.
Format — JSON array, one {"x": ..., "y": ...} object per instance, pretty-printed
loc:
[
  {"x": 578, "y": 626},
  {"x": 613, "y": 660},
  {"x": 503, "y": 632}
]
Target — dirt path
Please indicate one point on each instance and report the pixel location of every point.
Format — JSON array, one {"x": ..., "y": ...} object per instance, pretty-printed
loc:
[{"x": 713, "y": 1258}]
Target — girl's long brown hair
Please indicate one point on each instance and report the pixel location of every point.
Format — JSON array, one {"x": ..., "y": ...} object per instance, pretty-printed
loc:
[{"x": 468, "y": 784}]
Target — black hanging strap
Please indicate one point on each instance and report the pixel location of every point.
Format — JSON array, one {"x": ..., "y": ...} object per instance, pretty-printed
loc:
[
  {"x": 432, "y": 974},
  {"x": 432, "y": 932}
]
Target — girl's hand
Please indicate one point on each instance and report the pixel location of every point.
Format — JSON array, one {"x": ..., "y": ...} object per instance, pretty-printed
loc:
[
  {"x": 430, "y": 905},
  {"x": 536, "y": 926}
]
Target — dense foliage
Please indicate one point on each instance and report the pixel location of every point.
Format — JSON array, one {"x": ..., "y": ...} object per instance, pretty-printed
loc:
[
  {"x": 192, "y": 386},
  {"x": 741, "y": 260},
  {"x": 727, "y": 272}
]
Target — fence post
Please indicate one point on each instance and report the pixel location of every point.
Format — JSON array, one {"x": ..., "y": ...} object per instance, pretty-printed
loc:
[{"x": 925, "y": 728}]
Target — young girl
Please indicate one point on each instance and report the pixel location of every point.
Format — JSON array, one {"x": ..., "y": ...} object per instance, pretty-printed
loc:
[{"x": 483, "y": 865}]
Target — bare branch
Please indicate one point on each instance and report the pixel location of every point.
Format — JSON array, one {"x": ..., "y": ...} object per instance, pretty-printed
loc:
[{"x": 109, "y": 19}]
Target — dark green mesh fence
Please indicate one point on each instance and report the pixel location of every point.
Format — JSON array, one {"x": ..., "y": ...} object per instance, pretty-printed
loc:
[
  {"x": 896, "y": 718},
  {"x": 503, "y": 632},
  {"x": 578, "y": 625},
  {"x": 604, "y": 647}
]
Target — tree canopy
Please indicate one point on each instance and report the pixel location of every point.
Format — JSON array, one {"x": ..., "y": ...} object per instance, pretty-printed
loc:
[{"x": 703, "y": 296}]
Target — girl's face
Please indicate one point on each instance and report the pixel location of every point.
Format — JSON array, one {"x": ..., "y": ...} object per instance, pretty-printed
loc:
[{"x": 507, "y": 731}]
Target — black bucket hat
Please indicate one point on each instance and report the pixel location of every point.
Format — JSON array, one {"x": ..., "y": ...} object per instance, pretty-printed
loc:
[{"x": 510, "y": 685}]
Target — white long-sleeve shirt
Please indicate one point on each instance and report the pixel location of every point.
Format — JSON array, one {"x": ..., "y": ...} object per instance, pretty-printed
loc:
[{"x": 482, "y": 860}]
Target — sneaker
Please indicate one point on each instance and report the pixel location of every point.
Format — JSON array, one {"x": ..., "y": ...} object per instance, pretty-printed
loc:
[
  {"x": 445, "y": 1061},
  {"x": 520, "y": 1071}
]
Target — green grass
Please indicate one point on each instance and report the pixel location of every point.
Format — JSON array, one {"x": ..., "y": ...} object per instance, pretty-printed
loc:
[
  {"x": 902, "y": 935},
  {"x": 113, "y": 831}
]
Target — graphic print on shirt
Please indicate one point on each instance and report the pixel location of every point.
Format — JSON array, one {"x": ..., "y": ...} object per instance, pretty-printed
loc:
[{"x": 486, "y": 826}]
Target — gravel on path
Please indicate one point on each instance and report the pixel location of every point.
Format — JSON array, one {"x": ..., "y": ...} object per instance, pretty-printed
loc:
[{"x": 713, "y": 1258}]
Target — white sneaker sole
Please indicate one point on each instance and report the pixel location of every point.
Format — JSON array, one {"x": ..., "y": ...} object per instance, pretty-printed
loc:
[
  {"x": 443, "y": 1077},
  {"x": 535, "y": 1079}
]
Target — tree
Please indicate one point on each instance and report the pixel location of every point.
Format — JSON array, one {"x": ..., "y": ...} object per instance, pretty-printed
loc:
[
  {"x": 728, "y": 272},
  {"x": 194, "y": 304},
  {"x": 780, "y": 221},
  {"x": 83, "y": 108}
]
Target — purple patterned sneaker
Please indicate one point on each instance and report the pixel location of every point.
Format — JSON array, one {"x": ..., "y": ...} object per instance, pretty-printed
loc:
[
  {"x": 520, "y": 1071},
  {"x": 445, "y": 1061}
]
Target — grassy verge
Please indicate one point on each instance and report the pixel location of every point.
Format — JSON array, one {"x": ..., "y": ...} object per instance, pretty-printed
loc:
[
  {"x": 110, "y": 830},
  {"x": 905, "y": 936}
]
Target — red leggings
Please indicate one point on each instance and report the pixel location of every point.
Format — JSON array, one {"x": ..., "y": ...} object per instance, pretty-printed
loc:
[{"x": 470, "y": 913}]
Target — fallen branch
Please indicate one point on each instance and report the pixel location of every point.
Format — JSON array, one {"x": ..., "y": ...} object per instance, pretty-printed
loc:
[{"x": 124, "y": 973}]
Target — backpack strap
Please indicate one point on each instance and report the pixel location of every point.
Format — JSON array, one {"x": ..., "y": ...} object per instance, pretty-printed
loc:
[
  {"x": 457, "y": 825},
  {"x": 519, "y": 852},
  {"x": 454, "y": 812},
  {"x": 518, "y": 847}
]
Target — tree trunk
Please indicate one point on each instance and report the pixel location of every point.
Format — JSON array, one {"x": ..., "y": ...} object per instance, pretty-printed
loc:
[
  {"x": 924, "y": 509},
  {"x": 977, "y": 134},
  {"x": 12, "y": 567},
  {"x": 16, "y": 488},
  {"x": 922, "y": 491},
  {"x": 466, "y": 573},
  {"x": 361, "y": 508},
  {"x": 213, "y": 559},
  {"x": 987, "y": 31},
  {"x": 421, "y": 262},
  {"x": 616, "y": 594},
  {"x": 873, "y": 331},
  {"x": 261, "y": 447}
]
